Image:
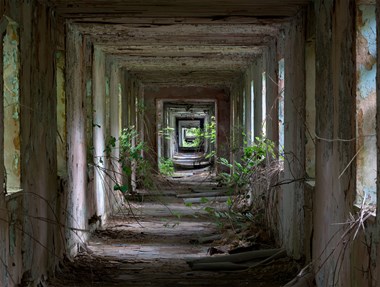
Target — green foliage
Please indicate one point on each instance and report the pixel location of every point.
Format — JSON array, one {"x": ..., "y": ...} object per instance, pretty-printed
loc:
[
  {"x": 197, "y": 133},
  {"x": 166, "y": 166},
  {"x": 208, "y": 133},
  {"x": 210, "y": 130},
  {"x": 129, "y": 155},
  {"x": 122, "y": 188},
  {"x": 252, "y": 156}
]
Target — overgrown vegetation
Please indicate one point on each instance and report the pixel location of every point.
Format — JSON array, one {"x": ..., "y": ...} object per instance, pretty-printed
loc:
[
  {"x": 252, "y": 157},
  {"x": 126, "y": 152},
  {"x": 166, "y": 166}
]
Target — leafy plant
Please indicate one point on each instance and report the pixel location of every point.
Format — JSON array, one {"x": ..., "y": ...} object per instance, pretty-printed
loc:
[
  {"x": 166, "y": 166},
  {"x": 252, "y": 156},
  {"x": 210, "y": 130},
  {"x": 200, "y": 135},
  {"x": 130, "y": 158}
]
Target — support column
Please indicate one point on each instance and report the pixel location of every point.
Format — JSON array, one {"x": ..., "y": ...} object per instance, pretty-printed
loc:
[
  {"x": 76, "y": 139},
  {"x": 99, "y": 130},
  {"x": 294, "y": 167},
  {"x": 115, "y": 198},
  {"x": 335, "y": 110}
]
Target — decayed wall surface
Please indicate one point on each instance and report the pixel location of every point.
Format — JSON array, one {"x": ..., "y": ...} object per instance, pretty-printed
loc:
[
  {"x": 292, "y": 194},
  {"x": 28, "y": 224},
  {"x": 335, "y": 106},
  {"x": 76, "y": 140},
  {"x": 366, "y": 103},
  {"x": 376, "y": 235}
]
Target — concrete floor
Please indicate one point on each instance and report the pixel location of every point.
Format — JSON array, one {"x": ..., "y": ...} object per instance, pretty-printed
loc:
[{"x": 152, "y": 248}]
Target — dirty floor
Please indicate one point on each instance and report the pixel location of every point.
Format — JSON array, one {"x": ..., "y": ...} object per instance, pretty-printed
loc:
[{"x": 151, "y": 248}]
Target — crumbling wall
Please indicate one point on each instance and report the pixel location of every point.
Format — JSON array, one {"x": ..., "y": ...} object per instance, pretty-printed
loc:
[
  {"x": 291, "y": 197},
  {"x": 335, "y": 107},
  {"x": 29, "y": 224},
  {"x": 366, "y": 103}
]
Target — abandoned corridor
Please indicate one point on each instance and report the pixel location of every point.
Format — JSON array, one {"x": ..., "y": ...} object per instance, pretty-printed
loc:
[{"x": 102, "y": 99}]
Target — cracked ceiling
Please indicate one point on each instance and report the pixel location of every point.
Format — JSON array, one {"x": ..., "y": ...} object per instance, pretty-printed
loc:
[{"x": 181, "y": 42}]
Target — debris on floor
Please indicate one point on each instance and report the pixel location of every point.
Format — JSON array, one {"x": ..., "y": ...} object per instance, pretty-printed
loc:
[{"x": 174, "y": 244}]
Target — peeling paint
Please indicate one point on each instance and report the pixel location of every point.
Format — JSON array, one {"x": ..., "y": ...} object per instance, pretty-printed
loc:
[{"x": 366, "y": 104}]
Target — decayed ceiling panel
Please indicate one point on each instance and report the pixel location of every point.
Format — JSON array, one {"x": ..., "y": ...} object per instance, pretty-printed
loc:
[
  {"x": 180, "y": 42},
  {"x": 178, "y": 8}
]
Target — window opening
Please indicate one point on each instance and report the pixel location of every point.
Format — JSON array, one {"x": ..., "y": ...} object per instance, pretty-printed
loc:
[
  {"x": 264, "y": 104},
  {"x": 61, "y": 113},
  {"x": 281, "y": 104},
  {"x": 11, "y": 90},
  {"x": 244, "y": 119},
  {"x": 252, "y": 135}
]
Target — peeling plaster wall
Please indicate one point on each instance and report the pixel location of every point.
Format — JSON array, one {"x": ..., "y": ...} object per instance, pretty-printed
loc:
[
  {"x": 76, "y": 141},
  {"x": 28, "y": 239},
  {"x": 375, "y": 250},
  {"x": 335, "y": 107},
  {"x": 292, "y": 194},
  {"x": 366, "y": 103}
]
